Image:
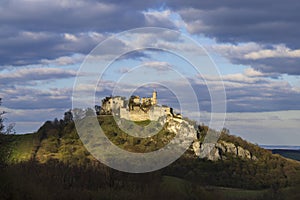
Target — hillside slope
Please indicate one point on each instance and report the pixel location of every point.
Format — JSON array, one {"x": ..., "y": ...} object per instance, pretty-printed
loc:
[{"x": 55, "y": 150}]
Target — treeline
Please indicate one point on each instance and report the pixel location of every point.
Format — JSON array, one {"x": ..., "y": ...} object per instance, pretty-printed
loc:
[{"x": 197, "y": 180}]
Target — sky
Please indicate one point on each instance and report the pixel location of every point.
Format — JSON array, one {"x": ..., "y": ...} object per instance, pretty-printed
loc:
[{"x": 254, "y": 46}]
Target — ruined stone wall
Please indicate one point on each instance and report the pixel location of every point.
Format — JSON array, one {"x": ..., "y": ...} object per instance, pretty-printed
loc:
[
  {"x": 156, "y": 112},
  {"x": 134, "y": 115},
  {"x": 113, "y": 103}
]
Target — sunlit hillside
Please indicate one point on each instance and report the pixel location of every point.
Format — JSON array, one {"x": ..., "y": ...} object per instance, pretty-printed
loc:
[{"x": 52, "y": 163}]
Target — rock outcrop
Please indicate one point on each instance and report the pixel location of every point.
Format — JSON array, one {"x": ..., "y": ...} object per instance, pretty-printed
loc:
[
  {"x": 206, "y": 150},
  {"x": 219, "y": 151},
  {"x": 211, "y": 151},
  {"x": 179, "y": 126}
]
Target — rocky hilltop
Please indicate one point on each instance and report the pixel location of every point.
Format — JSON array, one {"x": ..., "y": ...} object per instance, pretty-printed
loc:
[
  {"x": 142, "y": 109},
  {"x": 219, "y": 150}
]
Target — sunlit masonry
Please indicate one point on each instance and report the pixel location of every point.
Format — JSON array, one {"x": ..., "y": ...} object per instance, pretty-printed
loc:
[{"x": 136, "y": 108}]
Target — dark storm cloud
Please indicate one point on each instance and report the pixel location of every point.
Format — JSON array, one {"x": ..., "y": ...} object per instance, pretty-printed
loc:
[
  {"x": 35, "y": 30},
  {"x": 25, "y": 48},
  {"x": 69, "y": 16},
  {"x": 246, "y": 93},
  {"x": 32, "y": 99},
  {"x": 264, "y": 22},
  {"x": 30, "y": 75},
  {"x": 269, "y": 22},
  {"x": 271, "y": 60},
  {"x": 280, "y": 65}
]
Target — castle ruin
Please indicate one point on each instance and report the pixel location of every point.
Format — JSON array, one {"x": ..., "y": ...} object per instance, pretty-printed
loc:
[{"x": 136, "y": 108}]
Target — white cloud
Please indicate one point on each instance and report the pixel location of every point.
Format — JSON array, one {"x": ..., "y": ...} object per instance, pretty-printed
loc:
[
  {"x": 70, "y": 37},
  {"x": 158, "y": 65},
  {"x": 279, "y": 51},
  {"x": 249, "y": 76},
  {"x": 250, "y": 72},
  {"x": 64, "y": 60},
  {"x": 272, "y": 60},
  {"x": 154, "y": 17},
  {"x": 235, "y": 51},
  {"x": 27, "y": 75},
  {"x": 255, "y": 51}
]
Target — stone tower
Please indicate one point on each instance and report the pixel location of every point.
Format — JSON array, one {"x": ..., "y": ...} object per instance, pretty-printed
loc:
[{"x": 154, "y": 98}]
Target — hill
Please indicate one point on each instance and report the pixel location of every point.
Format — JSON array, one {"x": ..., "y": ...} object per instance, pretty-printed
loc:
[{"x": 53, "y": 164}]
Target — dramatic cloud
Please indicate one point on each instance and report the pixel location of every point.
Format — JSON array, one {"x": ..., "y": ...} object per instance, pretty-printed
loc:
[
  {"x": 28, "y": 98},
  {"x": 69, "y": 16},
  {"x": 279, "y": 51},
  {"x": 43, "y": 42},
  {"x": 267, "y": 22},
  {"x": 25, "y": 47},
  {"x": 271, "y": 26},
  {"x": 250, "y": 92},
  {"x": 272, "y": 60},
  {"x": 64, "y": 60},
  {"x": 38, "y": 31},
  {"x": 29, "y": 75},
  {"x": 32, "y": 31}
]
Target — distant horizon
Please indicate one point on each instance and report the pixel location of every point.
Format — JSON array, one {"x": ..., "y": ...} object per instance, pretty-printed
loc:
[{"x": 283, "y": 147}]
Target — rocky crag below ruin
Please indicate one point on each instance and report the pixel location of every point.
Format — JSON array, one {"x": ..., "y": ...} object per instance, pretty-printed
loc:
[{"x": 218, "y": 150}]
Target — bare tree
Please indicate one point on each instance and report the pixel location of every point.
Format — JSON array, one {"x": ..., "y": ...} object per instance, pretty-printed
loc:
[
  {"x": 1, "y": 119},
  {"x": 10, "y": 128}
]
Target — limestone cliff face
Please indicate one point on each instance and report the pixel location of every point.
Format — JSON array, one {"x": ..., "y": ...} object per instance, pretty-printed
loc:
[
  {"x": 220, "y": 151},
  {"x": 211, "y": 151},
  {"x": 206, "y": 150},
  {"x": 179, "y": 126}
]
